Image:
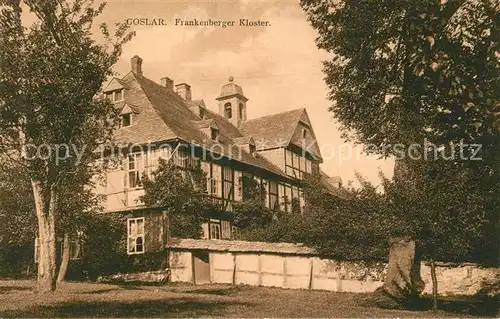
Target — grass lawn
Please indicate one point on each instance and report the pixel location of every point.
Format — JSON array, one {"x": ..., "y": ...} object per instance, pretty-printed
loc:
[{"x": 17, "y": 299}]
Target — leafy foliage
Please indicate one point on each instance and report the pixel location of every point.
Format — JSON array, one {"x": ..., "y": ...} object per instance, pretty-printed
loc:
[
  {"x": 251, "y": 213},
  {"x": 181, "y": 193},
  {"x": 436, "y": 59},
  {"x": 405, "y": 72}
]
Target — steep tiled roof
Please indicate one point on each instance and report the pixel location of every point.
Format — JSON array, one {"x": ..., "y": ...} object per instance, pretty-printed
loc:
[
  {"x": 243, "y": 140},
  {"x": 147, "y": 126},
  {"x": 224, "y": 125},
  {"x": 161, "y": 115},
  {"x": 274, "y": 130},
  {"x": 164, "y": 115},
  {"x": 240, "y": 246}
]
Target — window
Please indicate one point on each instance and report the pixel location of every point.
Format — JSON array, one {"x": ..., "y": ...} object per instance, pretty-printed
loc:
[
  {"x": 273, "y": 195},
  {"x": 238, "y": 188},
  {"x": 183, "y": 159},
  {"x": 291, "y": 198},
  {"x": 288, "y": 198},
  {"x": 308, "y": 166},
  {"x": 296, "y": 165},
  {"x": 226, "y": 229},
  {"x": 115, "y": 96},
  {"x": 214, "y": 134},
  {"x": 205, "y": 167},
  {"x": 135, "y": 170},
  {"x": 218, "y": 229},
  {"x": 228, "y": 112},
  {"x": 135, "y": 235},
  {"x": 240, "y": 110},
  {"x": 126, "y": 119},
  {"x": 118, "y": 96},
  {"x": 228, "y": 186},
  {"x": 252, "y": 148},
  {"x": 215, "y": 178},
  {"x": 304, "y": 133},
  {"x": 202, "y": 113},
  {"x": 281, "y": 197},
  {"x": 215, "y": 230}
]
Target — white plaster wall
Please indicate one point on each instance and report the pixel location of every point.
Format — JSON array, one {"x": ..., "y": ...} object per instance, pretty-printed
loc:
[
  {"x": 181, "y": 266},
  {"x": 248, "y": 269},
  {"x": 221, "y": 266},
  {"x": 272, "y": 270},
  {"x": 295, "y": 272},
  {"x": 298, "y": 272}
]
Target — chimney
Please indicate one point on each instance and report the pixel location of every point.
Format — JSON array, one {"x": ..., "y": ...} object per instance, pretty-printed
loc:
[
  {"x": 167, "y": 82},
  {"x": 184, "y": 90},
  {"x": 136, "y": 62}
]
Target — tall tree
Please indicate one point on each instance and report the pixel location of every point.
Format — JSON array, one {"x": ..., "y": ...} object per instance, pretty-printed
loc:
[
  {"x": 51, "y": 73},
  {"x": 417, "y": 79}
]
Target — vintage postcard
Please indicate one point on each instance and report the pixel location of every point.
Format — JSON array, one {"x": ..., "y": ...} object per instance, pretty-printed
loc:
[{"x": 249, "y": 158}]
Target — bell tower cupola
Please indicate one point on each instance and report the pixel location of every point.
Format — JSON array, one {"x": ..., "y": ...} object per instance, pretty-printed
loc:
[{"x": 232, "y": 103}]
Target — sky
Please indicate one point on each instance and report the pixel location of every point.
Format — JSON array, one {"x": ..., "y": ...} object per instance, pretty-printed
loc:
[{"x": 279, "y": 67}]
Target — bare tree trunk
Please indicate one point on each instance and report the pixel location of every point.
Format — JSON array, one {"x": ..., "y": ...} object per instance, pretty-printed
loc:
[
  {"x": 434, "y": 285},
  {"x": 64, "y": 259},
  {"x": 46, "y": 281}
]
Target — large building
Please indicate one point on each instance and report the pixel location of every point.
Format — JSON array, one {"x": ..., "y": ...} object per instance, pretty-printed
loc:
[{"x": 160, "y": 120}]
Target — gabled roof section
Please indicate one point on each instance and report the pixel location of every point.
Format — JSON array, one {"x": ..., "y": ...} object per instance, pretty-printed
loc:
[
  {"x": 309, "y": 143},
  {"x": 274, "y": 130},
  {"x": 279, "y": 130},
  {"x": 115, "y": 84}
]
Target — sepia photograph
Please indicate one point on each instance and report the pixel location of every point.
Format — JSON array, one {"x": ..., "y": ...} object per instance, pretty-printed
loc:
[{"x": 249, "y": 158}]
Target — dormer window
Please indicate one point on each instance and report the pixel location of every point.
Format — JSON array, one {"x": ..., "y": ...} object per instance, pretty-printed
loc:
[
  {"x": 214, "y": 134},
  {"x": 228, "y": 112},
  {"x": 202, "y": 113},
  {"x": 253, "y": 149},
  {"x": 115, "y": 96},
  {"x": 126, "y": 120}
]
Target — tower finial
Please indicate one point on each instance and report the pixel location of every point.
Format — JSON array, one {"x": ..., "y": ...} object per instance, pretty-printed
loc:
[{"x": 231, "y": 78}]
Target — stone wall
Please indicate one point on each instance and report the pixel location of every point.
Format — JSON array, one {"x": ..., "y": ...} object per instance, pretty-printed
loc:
[
  {"x": 463, "y": 279},
  {"x": 312, "y": 272}
]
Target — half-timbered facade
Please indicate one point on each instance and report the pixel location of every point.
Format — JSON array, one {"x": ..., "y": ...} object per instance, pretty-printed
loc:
[{"x": 160, "y": 120}]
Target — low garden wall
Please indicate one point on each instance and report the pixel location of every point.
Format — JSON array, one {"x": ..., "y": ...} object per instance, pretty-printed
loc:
[{"x": 299, "y": 267}]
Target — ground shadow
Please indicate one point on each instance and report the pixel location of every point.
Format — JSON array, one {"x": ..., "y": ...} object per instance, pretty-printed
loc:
[
  {"x": 216, "y": 291},
  {"x": 482, "y": 307},
  {"x": 4, "y": 289},
  {"x": 464, "y": 305},
  {"x": 99, "y": 291},
  {"x": 143, "y": 308}
]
